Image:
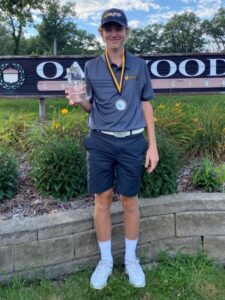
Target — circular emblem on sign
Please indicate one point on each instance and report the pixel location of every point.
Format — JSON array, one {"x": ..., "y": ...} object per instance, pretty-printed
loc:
[
  {"x": 121, "y": 104},
  {"x": 11, "y": 76}
]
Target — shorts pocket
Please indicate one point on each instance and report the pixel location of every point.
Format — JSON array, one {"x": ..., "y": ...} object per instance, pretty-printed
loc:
[{"x": 87, "y": 142}]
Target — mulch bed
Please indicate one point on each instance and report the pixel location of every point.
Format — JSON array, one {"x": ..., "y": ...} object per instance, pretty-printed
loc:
[{"x": 28, "y": 201}]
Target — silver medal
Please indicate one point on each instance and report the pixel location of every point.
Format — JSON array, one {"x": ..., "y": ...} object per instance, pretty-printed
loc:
[{"x": 121, "y": 104}]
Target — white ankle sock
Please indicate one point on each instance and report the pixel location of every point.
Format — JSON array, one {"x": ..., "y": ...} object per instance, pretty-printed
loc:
[
  {"x": 105, "y": 250},
  {"x": 130, "y": 249}
]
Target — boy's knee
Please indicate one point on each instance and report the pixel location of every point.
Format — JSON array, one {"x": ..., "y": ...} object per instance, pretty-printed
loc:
[
  {"x": 129, "y": 203},
  {"x": 103, "y": 200}
]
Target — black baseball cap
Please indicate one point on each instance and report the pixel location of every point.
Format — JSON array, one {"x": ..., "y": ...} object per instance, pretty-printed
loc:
[{"x": 114, "y": 15}]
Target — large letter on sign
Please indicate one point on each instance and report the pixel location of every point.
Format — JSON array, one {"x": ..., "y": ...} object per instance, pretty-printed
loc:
[
  {"x": 182, "y": 67},
  {"x": 172, "y": 68},
  {"x": 213, "y": 66},
  {"x": 40, "y": 70}
]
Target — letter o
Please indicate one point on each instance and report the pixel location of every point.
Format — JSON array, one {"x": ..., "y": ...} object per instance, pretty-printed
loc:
[
  {"x": 40, "y": 70},
  {"x": 182, "y": 67},
  {"x": 154, "y": 68}
]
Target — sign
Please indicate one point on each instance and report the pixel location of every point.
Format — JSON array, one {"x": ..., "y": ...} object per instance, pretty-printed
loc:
[{"x": 44, "y": 76}]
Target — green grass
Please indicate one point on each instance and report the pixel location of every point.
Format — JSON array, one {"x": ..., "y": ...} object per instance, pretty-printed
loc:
[
  {"x": 29, "y": 107},
  {"x": 196, "y": 100},
  {"x": 184, "y": 277}
]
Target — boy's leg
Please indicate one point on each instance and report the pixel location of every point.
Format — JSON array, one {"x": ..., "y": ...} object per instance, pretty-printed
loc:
[
  {"x": 102, "y": 220},
  {"x": 131, "y": 225},
  {"x": 102, "y": 215},
  {"x": 131, "y": 229}
]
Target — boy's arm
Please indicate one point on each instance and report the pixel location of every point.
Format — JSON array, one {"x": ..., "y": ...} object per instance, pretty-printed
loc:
[
  {"x": 86, "y": 106},
  {"x": 152, "y": 156}
]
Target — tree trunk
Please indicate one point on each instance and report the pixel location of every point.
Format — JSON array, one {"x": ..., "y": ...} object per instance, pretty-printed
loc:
[{"x": 55, "y": 46}]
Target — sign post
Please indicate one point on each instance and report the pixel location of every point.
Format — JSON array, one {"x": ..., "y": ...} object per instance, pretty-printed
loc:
[{"x": 42, "y": 109}]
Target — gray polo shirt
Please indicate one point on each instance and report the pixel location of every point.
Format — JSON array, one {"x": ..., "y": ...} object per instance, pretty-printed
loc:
[{"x": 110, "y": 110}]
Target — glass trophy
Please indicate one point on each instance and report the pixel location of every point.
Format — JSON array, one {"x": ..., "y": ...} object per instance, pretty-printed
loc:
[{"x": 76, "y": 83}]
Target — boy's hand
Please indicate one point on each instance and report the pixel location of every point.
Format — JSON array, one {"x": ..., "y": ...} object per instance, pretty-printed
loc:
[
  {"x": 151, "y": 159},
  {"x": 75, "y": 95}
]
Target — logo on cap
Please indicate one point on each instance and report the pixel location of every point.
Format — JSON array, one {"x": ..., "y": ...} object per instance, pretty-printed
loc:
[{"x": 112, "y": 14}]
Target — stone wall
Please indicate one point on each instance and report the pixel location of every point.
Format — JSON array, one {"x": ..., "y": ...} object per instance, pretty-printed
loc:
[{"x": 57, "y": 244}]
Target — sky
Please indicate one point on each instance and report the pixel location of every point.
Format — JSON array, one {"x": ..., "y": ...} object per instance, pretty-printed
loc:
[{"x": 141, "y": 13}]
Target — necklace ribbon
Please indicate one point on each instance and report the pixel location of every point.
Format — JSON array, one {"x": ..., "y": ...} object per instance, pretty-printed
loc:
[{"x": 117, "y": 84}]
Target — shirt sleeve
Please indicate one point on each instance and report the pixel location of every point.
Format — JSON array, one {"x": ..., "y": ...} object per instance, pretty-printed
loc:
[
  {"x": 88, "y": 84},
  {"x": 147, "y": 91}
]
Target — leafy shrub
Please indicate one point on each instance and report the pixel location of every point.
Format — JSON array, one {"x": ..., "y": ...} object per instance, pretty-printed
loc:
[
  {"x": 72, "y": 124},
  {"x": 59, "y": 168},
  {"x": 13, "y": 132},
  {"x": 163, "y": 180},
  {"x": 199, "y": 129},
  {"x": 9, "y": 174},
  {"x": 220, "y": 172},
  {"x": 171, "y": 118},
  {"x": 208, "y": 131},
  {"x": 207, "y": 176}
]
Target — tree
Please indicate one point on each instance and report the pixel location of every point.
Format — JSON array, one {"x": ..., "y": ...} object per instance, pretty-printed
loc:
[
  {"x": 59, "y": 34},
  {"x": 80, "y": 42},
  {"x": 183, "y": 33},
  {"x": 18, "y": 14},
  {"x": 6, "y": 41},
  {"x": 143, "y": 41},
  {"x": 56, "y": 21},
  {"x": 216, "y": 28}
]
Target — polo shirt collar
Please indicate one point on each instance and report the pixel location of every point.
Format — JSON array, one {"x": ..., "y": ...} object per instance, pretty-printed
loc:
[{"x": 128, "y": 64}]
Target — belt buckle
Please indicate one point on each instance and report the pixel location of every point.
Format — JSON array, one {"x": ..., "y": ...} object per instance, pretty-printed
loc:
[{"x": 120, "y": 134}]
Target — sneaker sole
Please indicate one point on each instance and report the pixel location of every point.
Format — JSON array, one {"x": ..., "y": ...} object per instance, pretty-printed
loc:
[
  {"x": 137, "y": 286},
  {"x": 134, "y": 285},
  {"x": 99, "y": 287}
]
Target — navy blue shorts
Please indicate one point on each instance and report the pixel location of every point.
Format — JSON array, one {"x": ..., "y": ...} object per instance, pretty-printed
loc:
[{"x": 115, "y": 162}]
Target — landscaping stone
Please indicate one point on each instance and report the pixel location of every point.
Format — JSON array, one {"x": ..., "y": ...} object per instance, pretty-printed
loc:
[
  {"x": 200, "y": 223},
  {"x": 215, "y": 247},
  {"x": 42, "y": 253},
  {"x": 155, "y": 228},
  {"x": 55, "y": 245}
]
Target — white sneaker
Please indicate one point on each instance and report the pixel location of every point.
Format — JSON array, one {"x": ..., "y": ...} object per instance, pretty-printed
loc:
[
  {"x": 101, "y": 274},
  {"x": 136, "y": 275}
]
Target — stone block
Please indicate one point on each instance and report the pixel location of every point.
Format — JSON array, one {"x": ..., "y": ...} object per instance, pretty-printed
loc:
[
  {"x": 157, "y": 206},
  {"x": 85, "y": 244},
  {"x": 62, "y": 269},
  {"x": 156, "y": 228},
  {"x": 190, "y": 245},
  {"x": 64, "y": 223},
  {"x": 215, "y": 247},
  {"x": 6, "y": 259},
  {"x": 17, "y": 231},
  {"x": 182, "y": 202},
  {"x": 200, "y": 223},
  {"x": 42, "y": 253}
]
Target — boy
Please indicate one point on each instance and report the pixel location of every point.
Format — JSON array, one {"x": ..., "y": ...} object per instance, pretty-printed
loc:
[{"x": 118, "y": 89}]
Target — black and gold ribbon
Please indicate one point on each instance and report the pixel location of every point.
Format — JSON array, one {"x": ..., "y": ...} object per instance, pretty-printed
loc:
[{"x": 119, "y": 84}]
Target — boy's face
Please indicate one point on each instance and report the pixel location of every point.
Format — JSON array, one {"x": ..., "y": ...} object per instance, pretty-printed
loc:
[{"x": 114, "y": 35}]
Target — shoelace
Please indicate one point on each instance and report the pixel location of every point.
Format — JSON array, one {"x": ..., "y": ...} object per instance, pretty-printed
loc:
[
  {"x": 134, "y": 265},
  {"x": 103, "y": 268}
]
